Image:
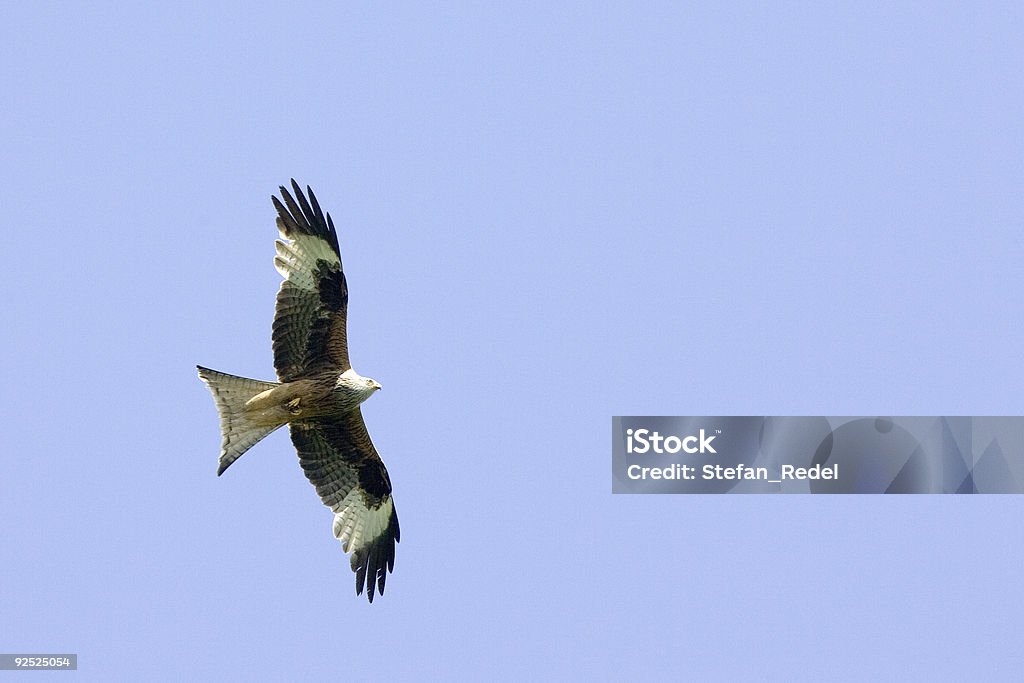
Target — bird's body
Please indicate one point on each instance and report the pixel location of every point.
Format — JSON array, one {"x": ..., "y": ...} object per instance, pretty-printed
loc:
[
  {"x": 324, "y": 395},
  {"x": 318, "y": 394}
]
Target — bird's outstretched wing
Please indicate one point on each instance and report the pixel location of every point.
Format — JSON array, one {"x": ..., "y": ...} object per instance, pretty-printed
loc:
[
  {"x": 340, "y": 461},
  {"x": 309, "y": 322}
]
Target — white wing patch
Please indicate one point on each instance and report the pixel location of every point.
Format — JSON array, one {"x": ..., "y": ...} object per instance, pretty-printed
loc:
[
  {"x": 297, "y": 256},
  {"x": 355, "y": 525}
]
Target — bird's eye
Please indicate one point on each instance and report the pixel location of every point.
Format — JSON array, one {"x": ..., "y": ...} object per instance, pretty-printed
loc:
[{"x": 369, "y": 382}]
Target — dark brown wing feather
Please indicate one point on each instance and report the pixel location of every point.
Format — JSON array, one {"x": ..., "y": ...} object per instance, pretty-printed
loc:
[
  {"x": 341, "y": 462},
  {"x": 310, "y": 333}
]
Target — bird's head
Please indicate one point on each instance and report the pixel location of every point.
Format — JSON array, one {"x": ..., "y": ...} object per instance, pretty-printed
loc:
[{"x": 363, "y": 387}]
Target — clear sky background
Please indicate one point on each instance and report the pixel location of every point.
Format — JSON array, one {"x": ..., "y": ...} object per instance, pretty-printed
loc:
[{"x": 550, "y": 213}]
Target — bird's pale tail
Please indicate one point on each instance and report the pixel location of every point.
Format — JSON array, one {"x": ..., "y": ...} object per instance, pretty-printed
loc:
[{"x": 239, "y": 432}]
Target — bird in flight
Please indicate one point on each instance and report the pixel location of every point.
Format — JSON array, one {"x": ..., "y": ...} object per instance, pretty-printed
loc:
[{"x": 318, "y": 393}]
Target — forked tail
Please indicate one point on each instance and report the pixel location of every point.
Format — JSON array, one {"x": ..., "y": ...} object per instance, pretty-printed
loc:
[{"x": 239, "y": 432}]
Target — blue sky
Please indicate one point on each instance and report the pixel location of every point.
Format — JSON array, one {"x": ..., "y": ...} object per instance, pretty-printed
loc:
[{"x": 550, "y": 213}]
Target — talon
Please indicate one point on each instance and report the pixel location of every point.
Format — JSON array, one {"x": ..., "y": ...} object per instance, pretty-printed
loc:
[{"x": 293, "y": 406}]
